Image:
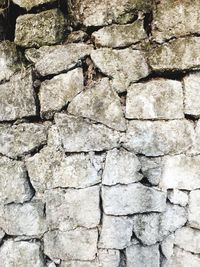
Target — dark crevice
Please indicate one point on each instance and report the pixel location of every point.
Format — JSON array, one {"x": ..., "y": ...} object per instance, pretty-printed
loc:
[
  {"x": 148, "y": 17},
  {"x": 33, "y": 192},
  {"x": 191, "y": 117},
  {"x": 172, "y": 75},
  {"x": 43, "y": 7},
  {"x": 122, "y": 262}
]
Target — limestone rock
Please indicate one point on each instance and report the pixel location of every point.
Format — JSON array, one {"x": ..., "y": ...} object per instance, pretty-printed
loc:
[
  {"x": 124, "y": 66},
  {"x": 120, "y": 35},
  {"x": 51, "y": 168},
  {"x": 167, "y": 246},
  {"x": 77, "y": 36},
  {"x": 29, "y": 4},
  {"x": 175, "y": 18},
  {"x": 108, "y": 258},
  {"x": 192, "y": 94},
  {"x": 100, "y": 103},
  {"x": 180, "y": 172},
  {"x": 194, "y": 209},
  {"x": 64, "y": 245},
  {"x": 14, "y": 185},
  {"x": 195, "y": 148},
  {"x": 59, "y": 91},
  {"x": 140, "y": 256},
  {"x": 158, "y": 137},
  {"x": 79, "y": 135},
  {"x": 178, "y": 197},
  {"x": 116, "y": 232},
  {"x": 180, "y": 54},
  {"x": 68, "y": 209},
  {"x": 21, "y": 139},
  {"x": 78, "y": 264},
  {"x": 17, "y": 98},
  {"x": 121, "y": 167},
  {"x": 55, "y": 59},
  {"x": 156, "y": 99},
  {"x": 2, "y": 234},
  {"x": 132, "y": 198},
  {"x": 27, "y": 219},
  {"x": 54, "y": 139},
  {"x": 20, "y": 253},
  {"x": 85, "y": 11},
  {"x": 48, "y": 28}
]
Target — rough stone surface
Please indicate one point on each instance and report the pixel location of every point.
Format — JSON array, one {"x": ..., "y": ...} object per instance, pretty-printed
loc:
[
  {"x": 59, "y": 91},
  {"x": 194, "y": 209},
  {"x": 157, "y": 99},
  {"x": 114, "y": 63},
  {"x": 108, "y": 257},
  {"x": 28, "y": 4},
  {"x": 178, "y": 197},
  {"x": 195, "y": 148},
  {"x": 134, "y": 198},
  {"x": 78, "y": 264},
  {"x": 167, "y": 246},
  {"x": 158, "y": 137},
  {"x": 48, "y": 28}
]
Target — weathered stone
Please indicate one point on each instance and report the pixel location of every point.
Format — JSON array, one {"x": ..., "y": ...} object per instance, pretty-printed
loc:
[
  {"x": 156, "y": 138},
  {"x": 2, "y": 234},
  {"x": 51, "y": 168},
  {"x": 188, "y": 239},
  {"x": 121, "y": 167},
  {"x": 78, "y": 134},
  {"x": 20, "y": 253},
  {"x": 92, "y": 104},
  {"x": 116, "y": 232},
  {"x": 175, "y": 18},
  {"x": 59, "y": 91},
  {"x": 76, "y": 37},
  {"x": 68, "y": 209},
  {"x": 195, "y": 148},
  {"x": 64, "y": 245},
  {"x": 124, "y": 66},
  {"x": 178, "y": 197},
  {"x": 17, "y": 98},
  {"x": 156, "y": 99},
  {"x": 108, "y": 258},
  {"x": 29, "y": 4},
  {"x": 194, "y": 209},
  {"x": 139, "y": 256},
  {"x": 14, "y": 185},
  {"x": 133, "y": 198},
  {"x": 180, "y": 54},
  {"x": 120, "y": 35},
  {"x": 181, "y": 172},
  {"x": 27, "y": 219},
  {"x": 151, "y": 169},
  {"x": 54, "y": 137},
  {"x": 85, "y": 12},
  {"x": 192, "y": 94},
  {"x": 21, "y": 139},
  {"x": 48, "y": 28},
  {"x": 8, "y": 60},
  {"x": 154, "y": 227},
  {"x": 55, "y": 59},
  {"x": 167, "y": 246},
  {"x": 78, "y": 264}
]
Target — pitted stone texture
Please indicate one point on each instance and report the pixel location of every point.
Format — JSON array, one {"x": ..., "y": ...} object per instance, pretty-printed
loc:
[
  {"x": 92, "y": 104},
  {"x": 64, "y": 245},
  {"x": 20, "y": 253},
  {"x": 124, "y": 66},
  {"x": 78, "y": 264},
  {"x": 56, "y": 93},
  {"x": 140, "y": 256},
  {"x": 108, "y": 258},
  {"x": 116, "y": 232},
  {"x": 14, "y": 185},
  {"x": 69, "y": 209},
  {"x": 195, "y": 148},
  {"x": 27, "y": 219},
  {"x": 120, "y": 35},
  {"x": 79, "y": 135},
  {"x": 194, "y": 209},
  {"x": 55, "y": 59},
  {"x": 158, "y": 138},
  {"x": 48, "y": 28},
  {"x": 167, "y": 246},
  {"x": 192, "y": 94},
  {"x": 175, "y": 19},
  {"x": 18, "y": 140},
  {"x": 29, "y": 4},
  {"x": 178, "y": 197},
  {"x": 51, "y": 168},
  {"x": 181, "y": 172},
  {"x": 54, "y": 137},
  {"x": 121, "y": 167},
  {"x": 156, "y": 99},
  {"x": 133, "y": 198},
  {"x": 85, "y": 11},
  {"x": 17, "y": 97},
  {"x": 154, "y": 227},
  {"x": 8, "y": 60},
  {"x": 180, "y": 54}
]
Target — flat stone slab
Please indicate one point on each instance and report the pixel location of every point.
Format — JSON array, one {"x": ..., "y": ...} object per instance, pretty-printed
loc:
[
  {"x": 178, "y": 197},
  {"x": 29, "y": 4},
  {"x": 194, "y": 209}
]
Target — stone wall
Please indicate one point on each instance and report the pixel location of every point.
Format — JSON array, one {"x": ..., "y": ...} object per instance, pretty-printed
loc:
[{"x": 99, "y": 133}]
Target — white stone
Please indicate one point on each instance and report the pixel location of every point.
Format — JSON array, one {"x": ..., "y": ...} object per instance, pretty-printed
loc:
[
  {"x": 78, "y": 264},
  {"x": 132, "y": 198},
  {"x": 124, "y": 66},
  {"x": 194, "y": 209},
  {"x": 195, "y": 148},
  {"x": 54, "y": 137},
  {"x": 178, "y": 197},
  {"x": 156, "y": 99},
  {"x": 100, "y": 103},
  {"x": 108, "y": 258},
  {"x": 30, "y": 4},
  {"x": 167, "y": 246},
  {"x": 2, "y": 234}
]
